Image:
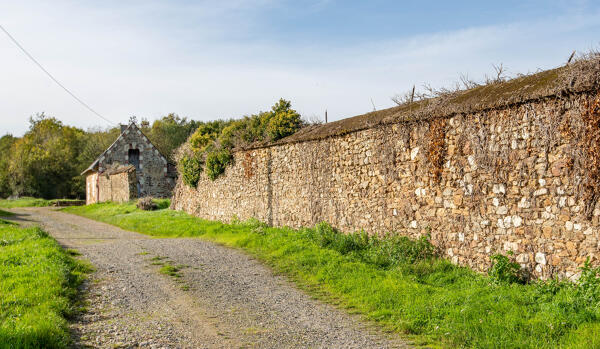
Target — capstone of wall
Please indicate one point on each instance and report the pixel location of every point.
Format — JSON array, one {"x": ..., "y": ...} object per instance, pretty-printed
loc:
[{"x": 483, "y": 183}]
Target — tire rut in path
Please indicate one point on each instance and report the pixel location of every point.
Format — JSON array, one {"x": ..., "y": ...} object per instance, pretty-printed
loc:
[{"x": 224, "y": 299}]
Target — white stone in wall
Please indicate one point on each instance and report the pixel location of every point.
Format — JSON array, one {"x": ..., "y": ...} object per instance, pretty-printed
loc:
[
  {"x": 569, "y": 225},
  {"x": 517, "y": 221},
  {"x": 471, "y": 160},
  {"x": 499, "y": 189},
  {"x": 413, "y": 153},
  {"x": 510, "y": 246},
  {"x": 540, "y": 258},
  {"x": 524, "y": 203},
  {"x": 562, "y": 201},
  {"x": 420, "y": 192},
  {"x": 523, "y": 258}
]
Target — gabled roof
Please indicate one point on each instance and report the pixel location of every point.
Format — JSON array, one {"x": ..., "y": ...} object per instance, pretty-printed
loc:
[{"x": 94, "y": 166}]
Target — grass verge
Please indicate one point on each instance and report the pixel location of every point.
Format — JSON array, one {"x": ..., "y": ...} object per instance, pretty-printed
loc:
[
  {"x": 34, "y": 202},
  {"x": 396, "y": 282},
  {"x": 6, "y": 213},
  {"x": 38, "y": 289}
]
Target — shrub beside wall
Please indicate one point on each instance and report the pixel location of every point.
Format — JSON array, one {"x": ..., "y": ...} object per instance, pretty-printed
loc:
[{"x": 210, "y": 146}]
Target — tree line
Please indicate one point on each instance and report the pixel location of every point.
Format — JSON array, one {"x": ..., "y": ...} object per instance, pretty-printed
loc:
[{"x": 48, "y": 159}]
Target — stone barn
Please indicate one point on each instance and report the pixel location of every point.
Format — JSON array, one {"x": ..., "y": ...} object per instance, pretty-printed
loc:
[{"x": 132, "y": 167}]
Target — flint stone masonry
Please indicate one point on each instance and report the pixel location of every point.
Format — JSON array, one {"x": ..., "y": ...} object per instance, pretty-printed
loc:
[{"x": 378, "y": 179}]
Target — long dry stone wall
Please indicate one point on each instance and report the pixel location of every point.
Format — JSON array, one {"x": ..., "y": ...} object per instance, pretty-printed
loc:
[{"x": 484, "y": 183}]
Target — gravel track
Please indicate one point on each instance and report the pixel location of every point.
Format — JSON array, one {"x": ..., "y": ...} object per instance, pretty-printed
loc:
[{"x": 223, "y": 299}]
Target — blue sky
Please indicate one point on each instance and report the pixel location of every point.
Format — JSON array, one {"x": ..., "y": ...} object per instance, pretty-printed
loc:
[{"x": 221, "y": 59}]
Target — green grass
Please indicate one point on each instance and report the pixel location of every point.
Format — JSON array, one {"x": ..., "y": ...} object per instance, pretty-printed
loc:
[
  {"x": 171, "y": 270},
  {"x": 6, "y": 213},
  {"x": 25, "y": 202},
  {"x": 396, "y": 284},
  {"x": 32, "y": 202},
  {"x": 38, "y": 289}
]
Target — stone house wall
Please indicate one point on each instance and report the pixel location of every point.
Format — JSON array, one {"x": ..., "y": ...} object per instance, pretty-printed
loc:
[
  {"x": 153, "y": 176},
  {"x": 505, "y": 184},
  {"x": 91, "y": 188},
  {"x": 114, "y": 187}
]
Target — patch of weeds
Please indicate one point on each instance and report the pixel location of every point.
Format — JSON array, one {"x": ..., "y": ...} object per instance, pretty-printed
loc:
[
  {"x": 157, "y": 260},
  {"x": 389, "y": 251},
  {"x": 73, "y": 252},
  {"x": 504, "y": 270},
  {"x": 5, "y": 222},
  {"x": 143, "y": 253},
  {"x": 170, "y": 270}
]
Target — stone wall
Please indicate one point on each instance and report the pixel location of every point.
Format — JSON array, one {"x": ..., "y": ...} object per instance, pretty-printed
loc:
[
  {"x": 483, "y": 183},
  {"x": 91, "y": 188},
  {"x": 115, "y": 187}
]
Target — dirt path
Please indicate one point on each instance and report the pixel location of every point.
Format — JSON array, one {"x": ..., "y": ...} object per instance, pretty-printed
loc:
[{"x": 224, "y": 298}]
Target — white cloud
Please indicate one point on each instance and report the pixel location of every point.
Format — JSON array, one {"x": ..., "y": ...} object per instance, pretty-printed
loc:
[{"x": 204, "y": 61}]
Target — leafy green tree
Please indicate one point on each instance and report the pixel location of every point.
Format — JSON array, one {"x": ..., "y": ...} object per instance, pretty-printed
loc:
[
  {"x": 284, "y": 121},
  {"x": 44, "y": 161},
  {"x": 6, "y": 143},
  {"x": 212, "y": 142},
  {"x": 170, "y": 132}
]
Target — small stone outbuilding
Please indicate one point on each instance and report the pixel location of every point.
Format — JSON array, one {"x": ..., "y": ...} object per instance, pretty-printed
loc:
[{"x": 132, "y": 167}]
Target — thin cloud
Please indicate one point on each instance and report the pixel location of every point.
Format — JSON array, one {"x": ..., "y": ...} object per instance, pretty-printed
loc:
[{"x": 147, "y": 60}]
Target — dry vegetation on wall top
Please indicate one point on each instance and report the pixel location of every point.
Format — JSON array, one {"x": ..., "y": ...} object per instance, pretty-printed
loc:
[{"x": 580, "y": 76}]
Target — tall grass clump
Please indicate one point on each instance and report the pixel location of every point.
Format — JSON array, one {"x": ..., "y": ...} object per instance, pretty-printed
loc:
[{"x": 389, "y": 251}]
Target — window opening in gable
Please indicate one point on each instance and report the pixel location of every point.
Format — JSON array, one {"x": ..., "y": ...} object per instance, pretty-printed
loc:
[{"x": 134, "y": 158}]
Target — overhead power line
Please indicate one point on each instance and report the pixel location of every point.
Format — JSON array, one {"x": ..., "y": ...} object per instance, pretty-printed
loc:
[{"x": 53, "y": 78}]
